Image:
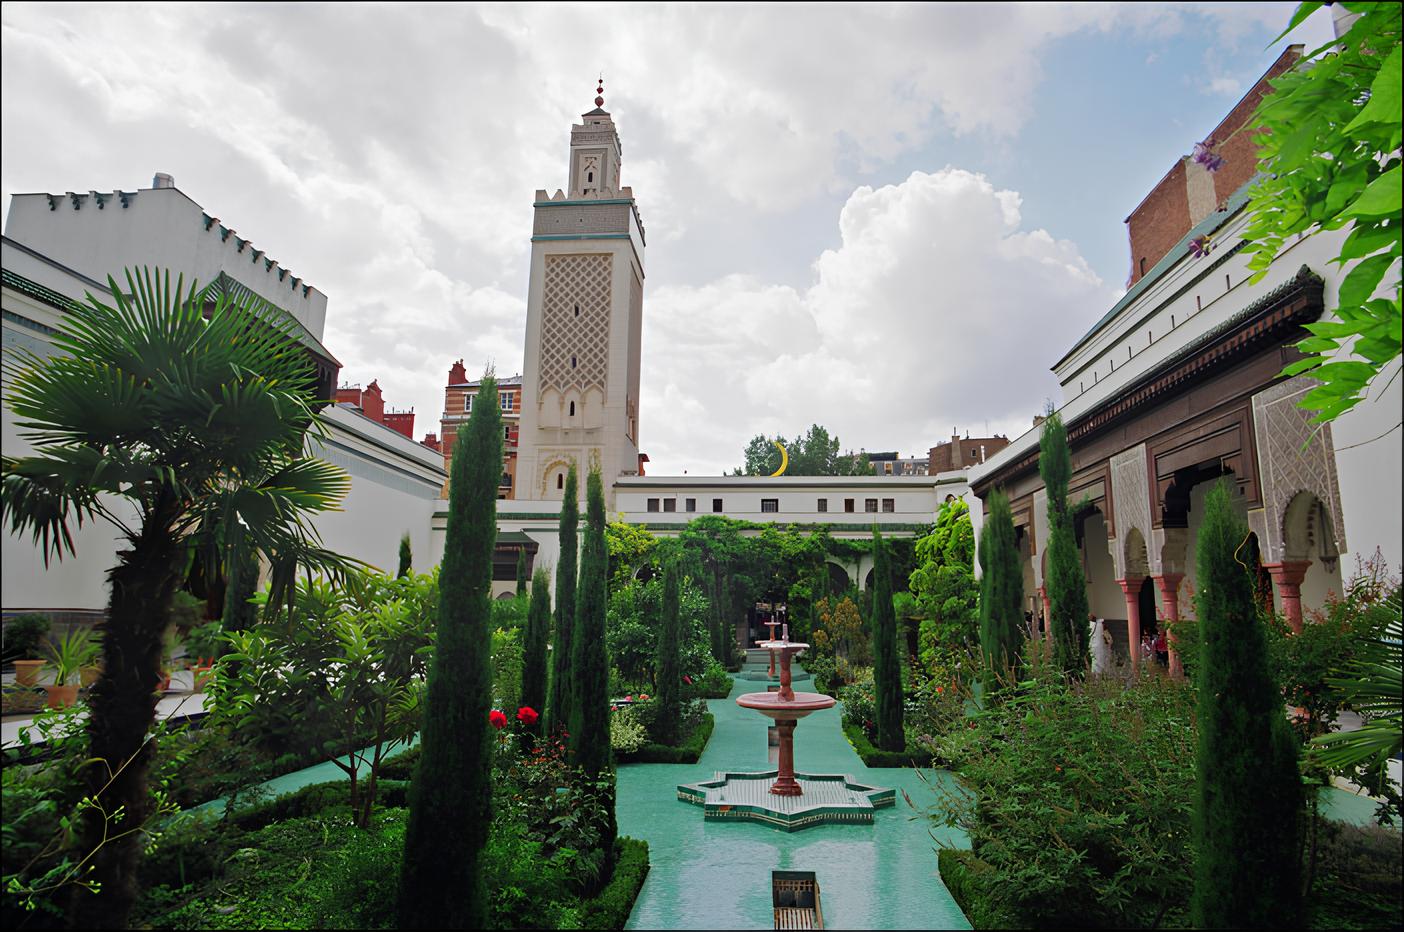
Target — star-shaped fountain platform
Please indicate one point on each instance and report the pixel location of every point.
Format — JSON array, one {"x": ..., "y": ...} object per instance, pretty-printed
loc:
[{"x": 827, "y": 798}]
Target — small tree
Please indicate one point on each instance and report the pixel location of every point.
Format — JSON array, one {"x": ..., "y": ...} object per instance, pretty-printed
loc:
[
  {"x": 589, "y": 719},
  {"x": 1248, "y": 810},
  {"x": 538, "y": 631},
  {"x": 1001, "y": 591},
  {"x": 1067, "y": 587},
  {"x": 559, "y": 702},
  {"x": 668, "y": 670},
  {"x": 406, "y": 557},
  {"x": 887, "y": 667},
  {"x": 521, "y": 572},
  {"x": 450, "y": 800}
]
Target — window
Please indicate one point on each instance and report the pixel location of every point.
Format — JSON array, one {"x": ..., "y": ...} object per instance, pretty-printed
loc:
[
  {"x": 716, "y": 504},
  {"x": 560, "y": 481},
  {"x": 1143, "y": 265},
  {"x": 506, "y": 401},
  {"x": 670, "y": 504},
  {"x": 506, "y": 482},
  {"x": 572, "y": 409},
  {"x": 870, "y": 505},
  {"x": 889, "y": 505},
  {"x": 848, "y": 504},
  {"x": 577, "y": 310},
  {"x": 770, "y": 504},
  {"x": 572, "y": 362},
  {"x": 467, "y": 404},
  {"x": 589, "y": 176},
  {"x": 691, "y": 504},
  {"x": 823, "y": 505},
  {"x": 506, "y": 431},
  {"x": 653, "y": 504}
]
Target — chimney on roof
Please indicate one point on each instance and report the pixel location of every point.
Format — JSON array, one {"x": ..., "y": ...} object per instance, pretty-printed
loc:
[{"x": 162, "y": 180}]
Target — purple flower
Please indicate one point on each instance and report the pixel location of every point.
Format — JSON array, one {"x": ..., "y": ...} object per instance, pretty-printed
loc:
[
  {"x": 1205, "y": 155},
  {"x": 1199, "y": 246}
]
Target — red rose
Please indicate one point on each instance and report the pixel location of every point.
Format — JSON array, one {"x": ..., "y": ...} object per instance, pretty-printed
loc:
[
  {"x": 497, "y": 718},
  {"x": 687, "y": 679},
  {"x": 643, "y": 696},
  {"x": 526, "y": 715}
]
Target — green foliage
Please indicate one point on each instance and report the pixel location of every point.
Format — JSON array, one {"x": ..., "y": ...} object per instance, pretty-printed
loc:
[
  {"x": 442, "y": 883},
  {"x": 689, "y": 751},
  {"x": 813, "y": 453},
  {"x": 668, "y": 678},
  {"x": 506, "y": 667},
  {"x": 406, "y": 556},
  {"x": 1001, "y": 594},
  {"x": 559, "y": 700},
  {"x": 1248, "y": 801},
  {"x": 23, "y": 635},
  {"x": 1357, "y": 879},
  {"x": 611, "y": 908},
  {"x": 521, "y": 572},
  {"x": 1065, "y": 582},
  {"x": 589, "y": 721},
  {"x": 887, "y": 664},
  {"x": 875, "y": 757},
  {"x": 1076, "y": 798},
  {"x": 967, "y": 878},
  {"x": 339, "y": 669},
  {"x": 841, "y": 638},
  {"x": 626, "y": 733},
  {"x": 1329, "y": 139},
  {"x": 943, "y": 582},
  {"x": 713, "y": 683},
  {"x": 534, "y": 648},
  {"x": 630, "y": 547},
  {"x": 69, "y": 654}
]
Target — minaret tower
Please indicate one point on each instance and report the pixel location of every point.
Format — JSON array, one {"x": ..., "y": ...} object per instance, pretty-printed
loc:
[{"x": 580, "y": 380}]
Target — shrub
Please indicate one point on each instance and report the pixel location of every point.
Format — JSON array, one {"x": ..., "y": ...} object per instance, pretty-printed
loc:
[
  {"x": 611, "y": 908},
  {"x": 686, "y": 753},
  {"x": 966, "y": 877},
  {"x": 1077, "y": 797},
  {"x": 626, "y": 732},
  {"x": 23, "y": 635},
  {"x": 874, "y": 757},
  {"x": 714, "y": 683}
]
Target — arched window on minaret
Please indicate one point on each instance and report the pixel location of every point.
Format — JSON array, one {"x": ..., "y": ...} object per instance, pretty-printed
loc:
[
  {"x": 560, "y": 481},
  {"x": 572, "y": 409}
]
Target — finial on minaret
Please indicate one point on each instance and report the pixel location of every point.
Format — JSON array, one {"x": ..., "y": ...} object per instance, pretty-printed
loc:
[{"x": 599, "y": 92}]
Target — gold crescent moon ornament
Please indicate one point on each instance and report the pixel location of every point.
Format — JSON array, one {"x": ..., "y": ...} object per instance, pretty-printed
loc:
[{"x": 784, "y": 460}]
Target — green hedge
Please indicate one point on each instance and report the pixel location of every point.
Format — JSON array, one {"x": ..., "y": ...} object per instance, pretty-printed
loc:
[
  {"x": 964, "y": 874},
  {"x": 686, "y": 753},
  {"x": 312, "y": 799},
  {"x": 872, "y": 757},
  {"x": 611, "y": 909}
]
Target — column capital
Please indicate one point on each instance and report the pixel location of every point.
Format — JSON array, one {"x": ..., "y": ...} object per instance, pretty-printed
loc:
[
  {"x": 1288, "y": 572},
  {"x": 1131, "y": 585}
]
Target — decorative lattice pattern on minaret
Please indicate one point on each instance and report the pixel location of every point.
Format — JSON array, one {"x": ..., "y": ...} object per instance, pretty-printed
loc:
[{"x": 575, "y": 349}]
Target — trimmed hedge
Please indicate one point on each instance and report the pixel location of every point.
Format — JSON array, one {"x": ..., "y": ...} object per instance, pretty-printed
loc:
[
  {"x": 872, "y": 757},
  {"x": 611, "y": 909},
  {"x": 312, "y": 799},
  {"x": 962, "y": 873},
  {"x": 686, "y": 753}
]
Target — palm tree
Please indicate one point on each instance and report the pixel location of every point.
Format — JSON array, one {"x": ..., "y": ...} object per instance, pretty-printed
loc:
[{"x": 167, "y": 414}]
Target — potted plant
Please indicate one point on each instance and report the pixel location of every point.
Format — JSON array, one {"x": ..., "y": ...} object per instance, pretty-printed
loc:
[
  {"x": 67, "y": 657},
  {"x": 23, "y": 635},
  {"x": 203, "y": 643}
]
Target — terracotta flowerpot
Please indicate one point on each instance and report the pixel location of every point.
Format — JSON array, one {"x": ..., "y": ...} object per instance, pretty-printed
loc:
[
  {"x": 27, "y": 672},
  {"x": 61, "y": 697}
]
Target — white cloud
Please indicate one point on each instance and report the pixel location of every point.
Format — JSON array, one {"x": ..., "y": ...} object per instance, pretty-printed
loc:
[{"x": 935, "y": 311}]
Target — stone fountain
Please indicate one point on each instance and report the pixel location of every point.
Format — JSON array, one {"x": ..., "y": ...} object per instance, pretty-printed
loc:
[{"x": 783, "y": 797}]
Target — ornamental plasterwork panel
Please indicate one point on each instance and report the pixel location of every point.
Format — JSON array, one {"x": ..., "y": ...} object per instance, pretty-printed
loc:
[
  {"x": 1294, "y": 456},
  {"x": 575, "y": 348},
  {"x": 1131, "y": 495},
  {"x": 1040, "y": 522},
  {"x": 553, "y": 461},
  {"x": 591, "y": 139},
  {"x": 602, "y": 218}
]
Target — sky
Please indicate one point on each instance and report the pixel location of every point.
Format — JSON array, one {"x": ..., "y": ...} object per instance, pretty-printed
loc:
[{"x": 890, "y": 220}]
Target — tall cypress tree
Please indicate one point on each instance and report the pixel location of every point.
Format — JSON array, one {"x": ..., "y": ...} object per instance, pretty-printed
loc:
[
  {"x": 887, "y": 667},
  {"x": 589, "y": 714},
  {"x": 406, "y": 557},
  {"x": 559, "y": 702},
  {"x": 1066, "y": 585},
  {"x": 521, "y": 572},
  {"x": 538, "y": 630},
  {"x": 441, "y": 882},
  {"x": 668, "y": 668},
  {"x": 1248, "y": 809},
  {"x": 1001, "y": 590}
]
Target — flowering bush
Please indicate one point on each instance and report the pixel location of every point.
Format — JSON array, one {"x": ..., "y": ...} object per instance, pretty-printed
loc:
[
  {"x": 527, "y": 715},
  {"x": 626, "y": 732},
  {"x": 497, "y": 718}
]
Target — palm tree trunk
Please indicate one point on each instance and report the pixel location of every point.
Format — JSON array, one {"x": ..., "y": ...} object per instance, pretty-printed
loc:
[{"x": 121, "y": 710}]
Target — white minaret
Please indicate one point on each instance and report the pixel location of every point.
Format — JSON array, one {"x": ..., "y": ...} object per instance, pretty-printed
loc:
[{"x": 580, "y": 382}]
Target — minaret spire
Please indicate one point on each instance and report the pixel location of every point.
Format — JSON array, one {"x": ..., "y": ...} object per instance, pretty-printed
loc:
[{"x": 599, "y": 92}]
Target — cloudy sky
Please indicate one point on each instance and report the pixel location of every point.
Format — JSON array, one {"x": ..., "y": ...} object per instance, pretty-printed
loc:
[{"x": 890, "y": 220}]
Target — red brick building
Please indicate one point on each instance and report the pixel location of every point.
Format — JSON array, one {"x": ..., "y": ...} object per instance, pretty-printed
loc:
[
  {"x": 962, "y": 453},
  {"x": 458, "y": 405},
  {"x": 371, "y": 403}
]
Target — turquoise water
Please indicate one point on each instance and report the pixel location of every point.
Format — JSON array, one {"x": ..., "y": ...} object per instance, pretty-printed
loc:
[{"x": 711, "y": 875}]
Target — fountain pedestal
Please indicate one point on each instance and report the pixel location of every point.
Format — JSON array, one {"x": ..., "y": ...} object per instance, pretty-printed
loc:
[{"x": 786, "y": 707}]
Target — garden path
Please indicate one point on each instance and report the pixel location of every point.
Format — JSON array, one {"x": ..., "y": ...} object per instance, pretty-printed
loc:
[{"x": 716, "y": 875}]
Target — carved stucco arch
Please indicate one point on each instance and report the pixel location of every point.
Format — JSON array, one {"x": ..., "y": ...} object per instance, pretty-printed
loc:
[
  {"x": 1294, "y": 456},
  {"x": 1131, "y": 500}
]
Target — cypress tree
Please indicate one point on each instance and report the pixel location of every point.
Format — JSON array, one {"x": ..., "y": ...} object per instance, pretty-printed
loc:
[
  {"x": 1067, "y": 587},
  {"x": 538, "y": 630},
  {"x": 1001, "y": 591},
  {"x": 1249, "y": 802},
  {"x": 717, "y": 612},
  {"x": 521, "y": 572},
  {"x": 589, "y": 713},
  {"x": 406, "y": 557},
  {"x": 559, "y": 702},
  {"x": 887, "y": 667},
  {"x": 668, "y": 668},
  {"x": 441, "y": 882}
]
